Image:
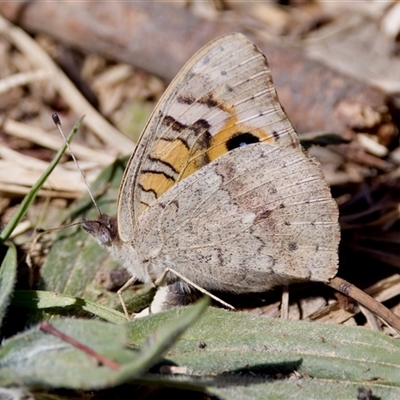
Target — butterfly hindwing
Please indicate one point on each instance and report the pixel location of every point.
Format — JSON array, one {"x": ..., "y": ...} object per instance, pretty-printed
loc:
[{"x": 256, "y": 217}]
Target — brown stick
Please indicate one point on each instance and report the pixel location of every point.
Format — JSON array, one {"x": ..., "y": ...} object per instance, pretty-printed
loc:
[{"x": 366, "y": 300}]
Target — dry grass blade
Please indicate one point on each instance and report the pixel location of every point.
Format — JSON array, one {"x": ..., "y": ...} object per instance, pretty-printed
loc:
[
  {"x": 22, "y": 79},
  {"x": 27, "y": 170},
  {"x": 52, "y": 141},
  {"x": 72, "y": 96},
  {"x": 22, "y": 190}
]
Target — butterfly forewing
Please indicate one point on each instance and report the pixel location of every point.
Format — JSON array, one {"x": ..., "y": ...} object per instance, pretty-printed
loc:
[{"x": 222, "y": 99}]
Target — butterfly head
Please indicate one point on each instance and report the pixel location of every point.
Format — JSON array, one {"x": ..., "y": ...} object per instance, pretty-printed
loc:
[{"x": 104, "y": 229}]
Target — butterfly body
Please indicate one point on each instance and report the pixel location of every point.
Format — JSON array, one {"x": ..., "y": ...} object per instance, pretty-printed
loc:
[{"x": 219, "y": 188}]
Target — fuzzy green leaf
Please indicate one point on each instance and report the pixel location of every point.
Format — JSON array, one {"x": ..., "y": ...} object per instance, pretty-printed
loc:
[
  {"x": 50, "y": 301},
  {"x": 35, "y": 358},
  {"x": 236, "y": 356}
]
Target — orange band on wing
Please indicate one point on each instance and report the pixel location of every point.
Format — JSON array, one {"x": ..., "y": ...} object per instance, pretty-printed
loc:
[
  {"x": 156, "y": 182},
  {"x": 172, "y": 153}
]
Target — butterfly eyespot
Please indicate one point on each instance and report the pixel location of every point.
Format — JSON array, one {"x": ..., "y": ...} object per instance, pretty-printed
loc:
[{"x": 240, "y": 140}]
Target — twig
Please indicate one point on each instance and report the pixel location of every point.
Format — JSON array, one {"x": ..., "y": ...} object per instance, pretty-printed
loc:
[{"x": 46, "y": 327}]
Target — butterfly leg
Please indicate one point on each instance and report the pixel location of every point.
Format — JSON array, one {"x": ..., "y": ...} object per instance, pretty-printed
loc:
[
  {"x": 159, "y": 281},
  {"x": 175, "y": 294},
  {"x": 121, "y": 290},
  {"x": 285, "y": 302}
]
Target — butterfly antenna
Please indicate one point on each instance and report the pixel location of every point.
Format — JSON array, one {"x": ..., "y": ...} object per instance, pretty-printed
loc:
[{"x": 57, "y": 122}]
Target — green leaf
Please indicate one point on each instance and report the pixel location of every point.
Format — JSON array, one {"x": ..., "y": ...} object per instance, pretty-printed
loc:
[
  {"x": 302, "y": 388},
  {"x": 241, "y": 356},
  {"x": 8, "y": 274},
  {"x": 35, "y": 358},
  {"x": 51, "y": 301}
]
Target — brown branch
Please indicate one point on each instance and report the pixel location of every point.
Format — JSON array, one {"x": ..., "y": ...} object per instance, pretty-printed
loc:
[{"x": 366, "y": 300}]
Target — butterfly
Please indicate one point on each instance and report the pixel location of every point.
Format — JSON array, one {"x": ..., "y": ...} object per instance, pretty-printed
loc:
[{"x": 218, "y": 188}]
